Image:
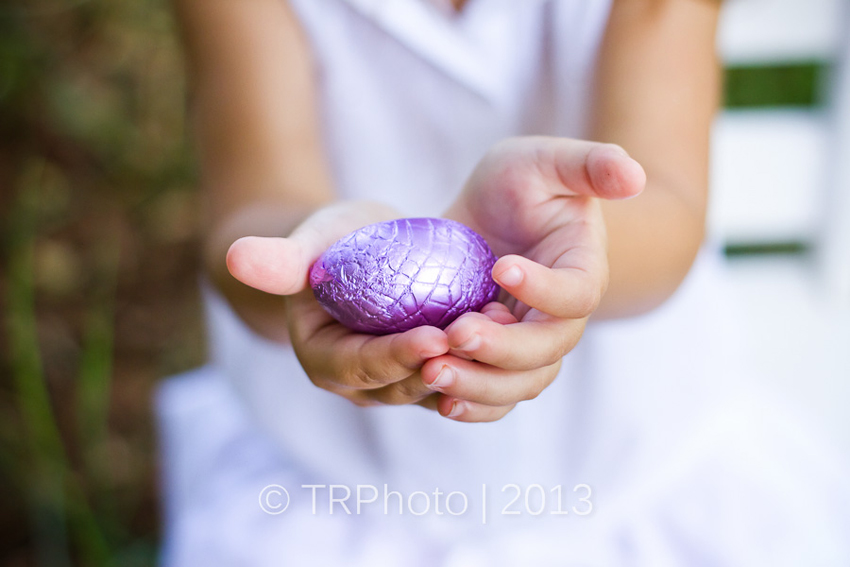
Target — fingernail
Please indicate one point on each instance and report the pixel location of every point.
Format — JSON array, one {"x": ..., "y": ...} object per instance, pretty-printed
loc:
[
  {"x": 510, "y": 277},
  {"x": 457, "y": 409},
  {"x": 617, "y": 149},
  {"x": 444, "y": 379},
  {"x": 471, "y": 344}
]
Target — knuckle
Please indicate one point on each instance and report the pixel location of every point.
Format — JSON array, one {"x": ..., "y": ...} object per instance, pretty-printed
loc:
[
  {"x": 383, "y": 396},
  {"x": 553, "y": 358},
  {"x": 584, "y": 304},
  {"x": 531, "y": 394},
  {"x": 495, "y": 416},
  {"x": 544, "y": 378},
  {"x": 596, "y": 299},
  {"x": 568, "y": 343},
  {"x": 358, "y": 377},
  {"x": 363, "y": 402},
  {"x": 563, "y": 345},
  {"x": 380, "y": 370},
  {"x": 397, "y": 394},
  {"x": 603, "y": 284},
  {"x": 404, "y": 392}
]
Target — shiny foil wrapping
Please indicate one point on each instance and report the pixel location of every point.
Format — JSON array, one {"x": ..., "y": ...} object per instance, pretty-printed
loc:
[{"x": 393, "y": 276}]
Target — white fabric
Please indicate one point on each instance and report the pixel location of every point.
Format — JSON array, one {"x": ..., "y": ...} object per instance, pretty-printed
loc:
[{"x": 687, "y": 466}]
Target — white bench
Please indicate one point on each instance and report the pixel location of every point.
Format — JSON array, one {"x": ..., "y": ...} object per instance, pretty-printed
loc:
[{"x": 783, "y": 174}]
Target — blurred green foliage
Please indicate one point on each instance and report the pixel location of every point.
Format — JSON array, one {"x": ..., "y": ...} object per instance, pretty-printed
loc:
[{"x": 97, "y": 273}]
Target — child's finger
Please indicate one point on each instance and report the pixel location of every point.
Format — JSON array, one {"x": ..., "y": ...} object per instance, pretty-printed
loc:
[
  {"x": 329, "y": 350},
  {"x": 567, "y": 293},
  {"x": 614, "y": 174},
  {"x": 589, "y": 169},
  {"x": 390, "y": 358},
  {"x": 485, "y": 384},
  {"x": 499, "y": 313},
  {"x": 521, "y": 346},
  {"x": 411, "y": 390},
  {"x": 430, "y": 402},
  {"x": 281, "y": 265},
  {"x": 471, "y": 412},
  {"x": 273, "y": 265}
]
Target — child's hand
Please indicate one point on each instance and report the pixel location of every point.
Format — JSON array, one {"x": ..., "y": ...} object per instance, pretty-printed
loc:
[
  {"x": 365, "y": 369},
  {"x": 534, "y": 200}
]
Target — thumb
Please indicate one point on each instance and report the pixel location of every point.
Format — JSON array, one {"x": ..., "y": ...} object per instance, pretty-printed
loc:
[
  {"x": 613, "y": 173},
  {"x": 281, "y": 265},
  {"x": 274, "y": 265},
  {"x": 589, "y": 169}
]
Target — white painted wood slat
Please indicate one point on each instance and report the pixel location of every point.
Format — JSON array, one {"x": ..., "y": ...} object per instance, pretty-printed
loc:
[
  {"x": 834, "y": 242},
  {"x": 784, "y": 174},
  {"x": 757, "y": 31},
  {"x": 769, "y": 166},
  {"x": 768, "y": 175}
]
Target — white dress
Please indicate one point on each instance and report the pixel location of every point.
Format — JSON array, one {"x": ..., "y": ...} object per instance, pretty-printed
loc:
[{"x": 648, "y": 427}]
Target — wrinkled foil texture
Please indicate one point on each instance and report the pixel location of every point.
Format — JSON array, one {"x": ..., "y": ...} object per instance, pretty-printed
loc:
[{"x": 393, "y": 276}]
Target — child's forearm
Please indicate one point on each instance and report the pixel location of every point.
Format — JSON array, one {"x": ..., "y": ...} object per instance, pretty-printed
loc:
[
  {"x": 252, "y": 106},
  {"x": 652, "y": 242},
  {"x": 658, "y": 102}
]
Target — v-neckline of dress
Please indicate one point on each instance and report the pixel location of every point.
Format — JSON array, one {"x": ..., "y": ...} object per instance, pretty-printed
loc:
[{"x": 467, "y": 46}]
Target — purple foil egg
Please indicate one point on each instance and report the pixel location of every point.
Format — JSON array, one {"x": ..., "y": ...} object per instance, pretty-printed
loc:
[{"x": 393, "y": 276}]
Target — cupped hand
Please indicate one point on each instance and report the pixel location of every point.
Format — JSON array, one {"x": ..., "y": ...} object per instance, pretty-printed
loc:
[
  {"x": 365, "y": 369},
  {"x": 536, "y": 202}
]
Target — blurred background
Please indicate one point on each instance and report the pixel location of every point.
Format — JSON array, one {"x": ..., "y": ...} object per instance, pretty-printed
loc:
[
  {"x": 99, "y": 238},
  {"x": 100, "y": 233}
]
